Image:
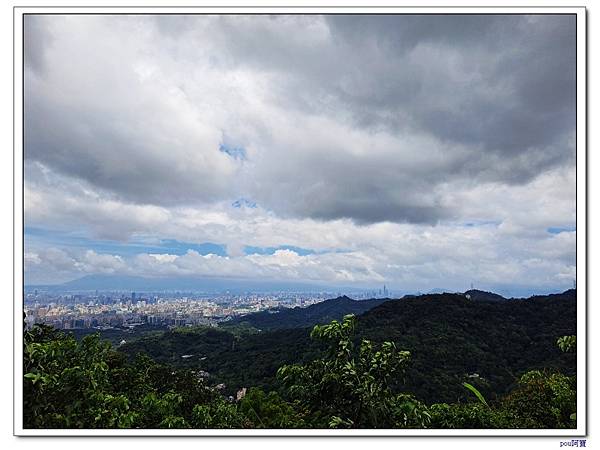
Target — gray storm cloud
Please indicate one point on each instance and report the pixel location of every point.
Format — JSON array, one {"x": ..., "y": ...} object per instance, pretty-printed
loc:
[{"x": 371, "y": 118}]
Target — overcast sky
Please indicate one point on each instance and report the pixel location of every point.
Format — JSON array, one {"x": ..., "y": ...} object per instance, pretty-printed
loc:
[{"x": 415, "y": 151}]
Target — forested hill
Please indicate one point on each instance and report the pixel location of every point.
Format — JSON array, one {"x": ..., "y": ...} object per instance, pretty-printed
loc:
[
  {"x": 333, "y": 309},
  {"x": 451, "y": 338},
  {"x": 319, "y": 313},
  {"x": 484, "y": 296}
]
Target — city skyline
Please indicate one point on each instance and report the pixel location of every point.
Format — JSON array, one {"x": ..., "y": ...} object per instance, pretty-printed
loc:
[{"x": 412, "y": 151}]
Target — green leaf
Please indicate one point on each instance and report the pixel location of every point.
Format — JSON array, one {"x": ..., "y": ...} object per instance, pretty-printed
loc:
[{"x": 475, "y": 391}]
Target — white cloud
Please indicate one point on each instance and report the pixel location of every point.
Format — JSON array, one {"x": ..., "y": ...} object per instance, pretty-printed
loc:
[
  {"x": 332, "y": 127},
  {"x": 373, "y": 142}
]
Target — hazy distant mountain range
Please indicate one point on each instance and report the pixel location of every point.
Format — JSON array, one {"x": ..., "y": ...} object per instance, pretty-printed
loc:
[
  {"x": 212, "y": 285},
  {"x": 181, "y": 284}
]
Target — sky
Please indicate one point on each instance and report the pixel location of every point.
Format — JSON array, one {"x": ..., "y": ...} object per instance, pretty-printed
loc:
[{"x": 414, "y": 151}]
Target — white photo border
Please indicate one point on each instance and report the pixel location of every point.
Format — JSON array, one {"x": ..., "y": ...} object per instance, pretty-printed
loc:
[{"x": 581, "y": 219}]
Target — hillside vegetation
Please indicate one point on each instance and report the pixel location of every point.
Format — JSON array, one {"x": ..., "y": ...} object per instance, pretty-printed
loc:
[
  {"x": 451, "y": 340},
  {"x": 319, "y": 313},
  {"x": 350, "y": 384}
]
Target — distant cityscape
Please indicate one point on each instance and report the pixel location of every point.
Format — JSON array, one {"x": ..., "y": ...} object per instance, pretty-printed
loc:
[{"x": 105, "y": 310}]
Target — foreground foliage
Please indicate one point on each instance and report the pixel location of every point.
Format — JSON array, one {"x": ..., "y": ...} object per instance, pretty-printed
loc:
[
  {"x": 350, "y": 387},
  {"x": 541, "y": 400},
  {"x": 87, "y": 384}
]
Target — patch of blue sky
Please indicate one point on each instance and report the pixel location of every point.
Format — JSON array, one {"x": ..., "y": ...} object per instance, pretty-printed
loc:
[
  {"x": 244, "y": 202},
  {"x": 565, "y": 229},
  {"x": 481, "y": 223},
  {"x": 233, "y": 151},
  {"x": 175, "y": 247},
  {"x": 249, "y": 250},
  {"x": 471, "y": 223},
  {"x": 40, "y": 238}
]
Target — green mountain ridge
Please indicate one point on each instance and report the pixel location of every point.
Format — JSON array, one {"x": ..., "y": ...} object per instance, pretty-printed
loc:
[
  {"x": 451, "y": 339},
  {"x": 319, "y": 313}
]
